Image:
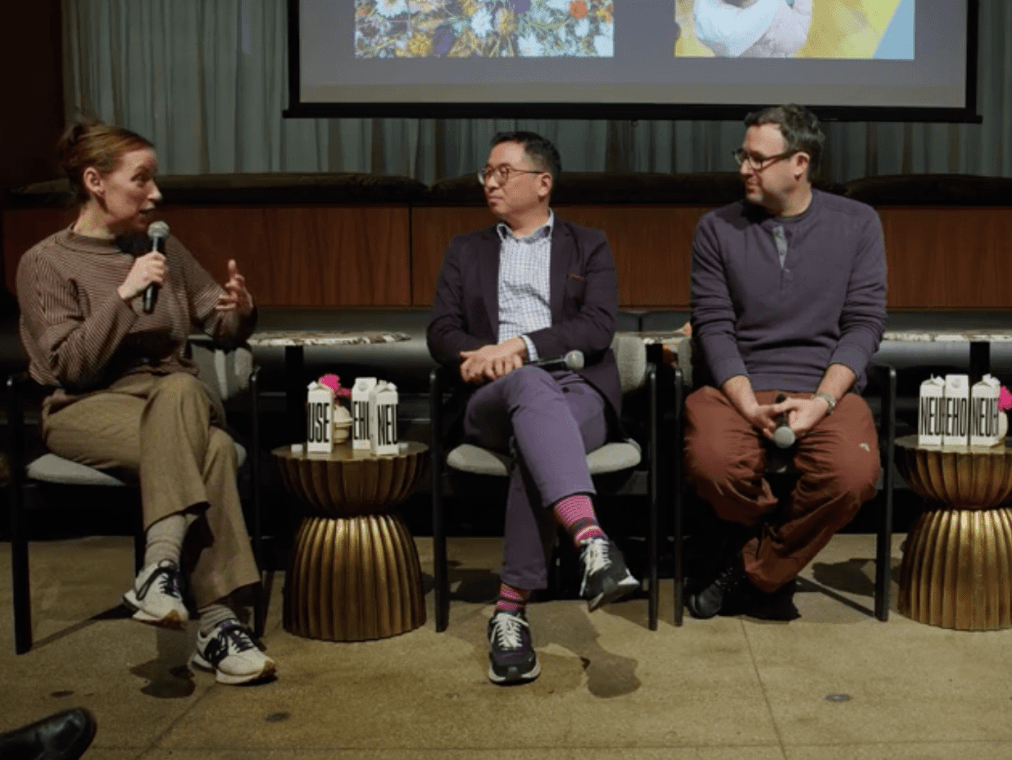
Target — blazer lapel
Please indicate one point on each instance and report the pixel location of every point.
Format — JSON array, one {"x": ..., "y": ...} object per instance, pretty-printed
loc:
[
  {"x": 488, "y": 279},
  {"x": 562, "y": 253}
]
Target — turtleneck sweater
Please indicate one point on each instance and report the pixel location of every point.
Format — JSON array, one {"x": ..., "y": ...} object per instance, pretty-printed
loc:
[{"x": 81, "y": 336}]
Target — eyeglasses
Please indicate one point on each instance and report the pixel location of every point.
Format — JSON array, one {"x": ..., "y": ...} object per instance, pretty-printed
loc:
[
  {"x": 502, "y": 173},
  {"x": 756, "y": 161}
]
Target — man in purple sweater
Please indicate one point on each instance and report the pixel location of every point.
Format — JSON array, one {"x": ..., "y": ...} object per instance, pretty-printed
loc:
[{"x": 788, "y": 297}]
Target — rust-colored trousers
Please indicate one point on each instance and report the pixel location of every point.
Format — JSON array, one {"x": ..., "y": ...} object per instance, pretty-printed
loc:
[
  {"x": 725, "y": 457},
  {"x": 165, "y": 428}
]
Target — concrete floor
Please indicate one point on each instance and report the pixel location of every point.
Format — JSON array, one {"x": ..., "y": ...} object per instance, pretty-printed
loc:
[{"x": 610, "y": 688}]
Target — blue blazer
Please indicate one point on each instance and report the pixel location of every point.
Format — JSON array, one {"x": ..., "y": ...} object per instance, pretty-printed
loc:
[{"x": 583, "y": 301}]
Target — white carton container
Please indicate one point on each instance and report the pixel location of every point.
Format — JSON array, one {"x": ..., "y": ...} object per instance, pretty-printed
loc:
[
  {"x": 361, "y": 414},
  {"x": 383, "y": 431},
  {"x": 931, "y": 412},
  {"x": 319, "y": 419},
  {"x": 957, "y": 410},
  {"x": 984, "y": 415}
]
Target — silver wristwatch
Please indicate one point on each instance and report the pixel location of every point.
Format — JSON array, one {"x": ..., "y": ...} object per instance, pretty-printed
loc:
[{"x": 828, "y": 398}]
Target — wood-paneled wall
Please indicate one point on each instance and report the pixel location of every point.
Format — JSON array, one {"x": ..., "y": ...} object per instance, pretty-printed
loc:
[
  {"x": 651, "y": 245},
  {"x": 390, "y": 255},
  {"x": 937, "y": 257},
  {"x": 290, "y": 256}
]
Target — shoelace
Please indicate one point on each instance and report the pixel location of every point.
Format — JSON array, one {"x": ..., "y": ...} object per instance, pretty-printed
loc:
[
  {"x": 506, "y": 631},
  {"x": 235, "y": 638},
  {"x": 595, "y": 559},
  {"x": 168, "y": 581}
]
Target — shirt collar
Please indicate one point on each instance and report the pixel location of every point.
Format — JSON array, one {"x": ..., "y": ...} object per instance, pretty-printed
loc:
[{"x": 544, "y": 231}]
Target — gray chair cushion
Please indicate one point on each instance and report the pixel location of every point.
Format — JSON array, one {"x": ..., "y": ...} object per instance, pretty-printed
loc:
[
  {"x": 612, "y": 457},
  {"x": 54, "y": 469},
  {"x": 479, "y": 461},
  {"x": 50, "y": 468}
]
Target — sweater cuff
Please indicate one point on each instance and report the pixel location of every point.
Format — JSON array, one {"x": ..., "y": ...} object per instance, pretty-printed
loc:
[
  {"x": 851, "y": 357},
  {"x": 725, "y": 369}
]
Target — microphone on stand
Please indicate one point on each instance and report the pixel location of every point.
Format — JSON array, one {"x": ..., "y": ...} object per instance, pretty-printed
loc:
[
  {"x": 572, "y": 360},
  {"x": 158, "y": 232},
  {"x": 783, "y": 436}
]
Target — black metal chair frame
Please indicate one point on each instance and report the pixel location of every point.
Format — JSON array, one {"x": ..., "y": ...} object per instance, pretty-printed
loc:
[
  {"x": 883, "y": 544},
  {"x": 440, "y": 379},
  {"x": 20, "y": 485}
]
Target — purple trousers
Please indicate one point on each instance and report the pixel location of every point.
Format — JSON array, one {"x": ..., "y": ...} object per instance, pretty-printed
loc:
[{"x": 547, "y": 422}]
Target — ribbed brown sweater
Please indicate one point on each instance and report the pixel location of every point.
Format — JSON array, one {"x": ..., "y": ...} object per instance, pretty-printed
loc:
[{"x": 80, "y": 335}]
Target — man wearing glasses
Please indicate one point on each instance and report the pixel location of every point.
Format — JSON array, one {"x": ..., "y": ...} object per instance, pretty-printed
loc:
[
  {"x": 788, "y": 297},
  {"x": 533, "y": 288}
]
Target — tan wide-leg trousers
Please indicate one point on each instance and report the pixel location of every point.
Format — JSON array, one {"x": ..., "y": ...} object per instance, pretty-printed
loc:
[
  {"x": 725, "y": 460},
  {"x": 165, "y": 428}
]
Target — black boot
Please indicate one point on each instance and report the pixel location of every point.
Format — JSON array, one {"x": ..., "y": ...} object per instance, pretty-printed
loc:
[
  {"x": 721, "y": 593},
  {"x": 63, "y": 736}
]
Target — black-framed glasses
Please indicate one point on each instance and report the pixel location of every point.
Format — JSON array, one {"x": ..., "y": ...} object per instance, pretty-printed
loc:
[
  {"x": 502, "y": 173},
  {"x": 759, "y": 162}
]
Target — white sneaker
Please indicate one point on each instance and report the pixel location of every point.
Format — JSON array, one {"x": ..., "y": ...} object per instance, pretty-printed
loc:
[
  {"x": 231, "y": 653},
  {"x": 157, "y": 596}
]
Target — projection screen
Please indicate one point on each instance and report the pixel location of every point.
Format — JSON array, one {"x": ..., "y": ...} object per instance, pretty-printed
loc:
[{"x": 859, "y": 59}]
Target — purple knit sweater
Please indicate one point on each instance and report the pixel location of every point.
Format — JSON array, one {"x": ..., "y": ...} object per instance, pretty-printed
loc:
[{"x": 782, "y": 326}]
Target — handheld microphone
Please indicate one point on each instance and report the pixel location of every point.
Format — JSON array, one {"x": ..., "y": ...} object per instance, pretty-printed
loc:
[
  {"x": 783, "y": 436},
  {"x": 572, "y": 360},
  {"x": 158, "y": 232}
]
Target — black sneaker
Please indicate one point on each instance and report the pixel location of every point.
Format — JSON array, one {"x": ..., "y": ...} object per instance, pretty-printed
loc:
[
  {"x": 511, "y": 656},
  {"x": 720, "y": 593},
  {"x": 605, "y": 576}
]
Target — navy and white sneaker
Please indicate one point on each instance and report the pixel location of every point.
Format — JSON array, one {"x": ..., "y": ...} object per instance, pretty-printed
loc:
[
  {"x": 511, "y": 655},
  {"x": 157, "y": 596},
  {"x": 230, "y": 652},
  {"x": 605, "y": 576}
]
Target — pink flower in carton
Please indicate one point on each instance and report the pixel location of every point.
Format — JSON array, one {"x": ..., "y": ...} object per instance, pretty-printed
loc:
[
  {"x": 1004, "y": 399},
  {"x": 334, "y": 383}
]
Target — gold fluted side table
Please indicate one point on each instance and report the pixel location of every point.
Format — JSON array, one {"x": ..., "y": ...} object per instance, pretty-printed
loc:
[
  {"x": 354, "y": 573},
  {"x": 957, "y": 562}
]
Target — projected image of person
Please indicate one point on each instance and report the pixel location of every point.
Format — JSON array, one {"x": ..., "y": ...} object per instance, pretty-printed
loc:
[
  {"x": 788, "y": 299},
  {"x": 533, "y": 287},
  {"x": 855, "y": 29},
  {"x": 484, "y": 28},
  {"x": 753, "y": 28},
  {"x": 126, "y": 398}
]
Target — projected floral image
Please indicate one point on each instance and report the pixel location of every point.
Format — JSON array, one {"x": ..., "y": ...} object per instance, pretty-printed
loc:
[
  {"x": 484, "y": 28},
  {"x": 855, "y": 29}
]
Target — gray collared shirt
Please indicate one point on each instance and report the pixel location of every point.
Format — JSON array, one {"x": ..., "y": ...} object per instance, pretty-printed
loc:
[{"x": 524, "y": 288}]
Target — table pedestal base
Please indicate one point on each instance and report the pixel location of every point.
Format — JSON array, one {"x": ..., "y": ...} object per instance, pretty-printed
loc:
[
  {"x": 354, "y": 579},
  {"x": 957, "y": 569}
]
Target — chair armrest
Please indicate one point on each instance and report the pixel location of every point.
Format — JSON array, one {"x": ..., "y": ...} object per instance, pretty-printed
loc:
[{"x": 225, "y": 369}]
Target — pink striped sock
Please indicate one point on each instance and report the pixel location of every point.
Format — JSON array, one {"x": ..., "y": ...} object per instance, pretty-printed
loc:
[
  {"x": 576, "y": 514},
  {"x": 511, "y": 598}
]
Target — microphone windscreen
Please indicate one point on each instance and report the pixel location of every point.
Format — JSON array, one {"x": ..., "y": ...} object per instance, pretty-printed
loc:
[
  {"x": 158, "y": 230},
  {"x": 783, "y": 437},
  {"x": 574, "y": 359}
]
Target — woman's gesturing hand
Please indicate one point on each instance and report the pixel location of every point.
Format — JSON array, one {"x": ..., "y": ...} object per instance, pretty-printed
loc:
[{"x": 235, "y": 297}]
